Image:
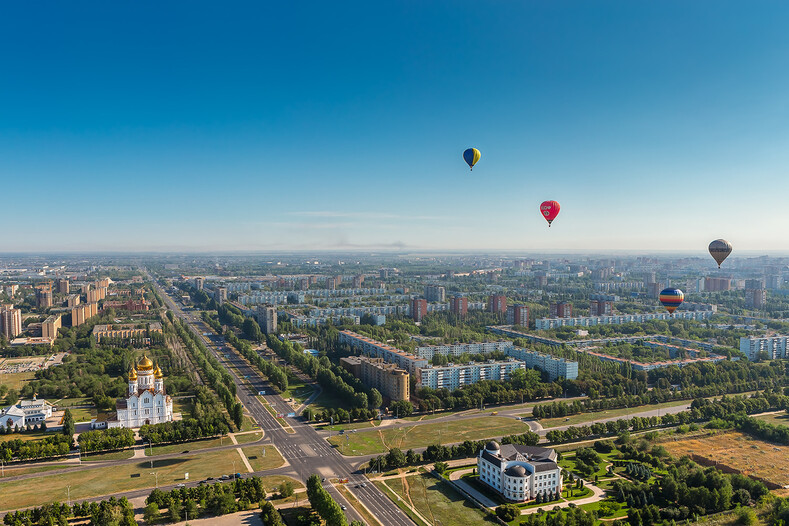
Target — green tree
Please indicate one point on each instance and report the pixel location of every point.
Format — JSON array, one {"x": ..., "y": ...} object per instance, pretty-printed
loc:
[
  {"x": 175, "y": 509},
  {"x": 375, "y": 399},
  {"x": 507, "y": 512},
  {"x": 151, "y": 513},
  {"x": 285, "y": 489},
  {"x": 68, "y": 423}
]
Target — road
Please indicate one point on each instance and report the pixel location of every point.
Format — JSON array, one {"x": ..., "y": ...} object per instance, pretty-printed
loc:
[{"x": 304, "y": 449}]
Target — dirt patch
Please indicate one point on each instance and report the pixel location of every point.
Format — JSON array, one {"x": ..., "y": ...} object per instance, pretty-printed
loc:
[{"x": 736, "y": 452}]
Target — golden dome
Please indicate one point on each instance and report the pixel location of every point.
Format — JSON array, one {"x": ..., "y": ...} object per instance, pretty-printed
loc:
[
  {"x": 133, "y": 374},
  {"x": 158, "y": 372},
  {"x": 145, "y": 364}
]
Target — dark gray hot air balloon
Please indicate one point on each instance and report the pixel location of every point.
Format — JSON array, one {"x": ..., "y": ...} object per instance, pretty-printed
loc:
[{"x": 720, "y": 250}]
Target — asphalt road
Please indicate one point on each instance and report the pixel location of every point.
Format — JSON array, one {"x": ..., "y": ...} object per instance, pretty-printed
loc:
[{"x": 305, "y": 450}]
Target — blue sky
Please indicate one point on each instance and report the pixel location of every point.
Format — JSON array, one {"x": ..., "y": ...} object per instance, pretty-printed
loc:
[{"x": 200, "y": 126}]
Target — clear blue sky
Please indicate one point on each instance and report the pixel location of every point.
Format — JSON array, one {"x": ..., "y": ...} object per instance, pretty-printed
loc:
[{"x": 277, "y": 125}]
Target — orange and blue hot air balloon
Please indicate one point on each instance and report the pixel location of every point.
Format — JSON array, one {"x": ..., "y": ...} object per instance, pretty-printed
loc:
[
  {"x": 671, "y": 299},
  {"x": 471, "y": 156}
]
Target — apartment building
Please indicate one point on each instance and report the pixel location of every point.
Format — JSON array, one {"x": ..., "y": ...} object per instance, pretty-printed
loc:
[
  {"x": 82, "y": 312},
  {"x": 773, "y": 346},
  {"x": 589, "y": 321},
  {"x": 390, "y": 380},
  {"x": 10, "y": 321},
  {"x": 267, "y": 318},
  {"x": 404, "y": 360},
  {"x": 50, "y": 326},
  {"x": 497, "y": 303},
  {"x": 435, "y": 293},
  {"x": 518, "y": 315},
  {"x": 453, "y": 376}
]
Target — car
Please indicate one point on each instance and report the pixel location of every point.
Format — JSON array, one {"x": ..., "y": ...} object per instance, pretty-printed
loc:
[
  {"x": 225, "y": 477},
  {"x": 181, "y": 485},
  {"x": 202, "y": 482},
  {"x": 364, "y": 484},
  {"x": 209, "y": 478},
  {"x": 185, "y": 451},
  {"x": 343, "y": 507}
]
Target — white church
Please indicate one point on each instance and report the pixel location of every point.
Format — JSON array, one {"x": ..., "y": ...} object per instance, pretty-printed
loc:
[{"x": 145, "y": 402}]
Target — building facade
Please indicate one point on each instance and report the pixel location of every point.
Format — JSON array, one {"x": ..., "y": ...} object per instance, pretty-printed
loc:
[
  {"x": 459, "y": 306},
  {"x": 267, "y": 318},
  {"x": 26, "y": 412},
  {"x": 10, "y": 321},
  {"x": 561, "y": 309},
  {"x": 435, "y": 293},
  {"x": 773, "y": 346},
  {"x": 519, "y": 473},
  {"x": 418, "y": 309},
  {"x": 518, "y": 315},
  {"x": 497, "y": 303},
  {"x": 391, "y": 381},
  {"x": 146, "y": 401},
  {"x": 452, "y": 376},
  {"x": 50, "y": 326}
]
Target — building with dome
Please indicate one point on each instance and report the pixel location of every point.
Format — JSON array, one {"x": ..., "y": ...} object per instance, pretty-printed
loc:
[
  {"x": 146, "y": 402},
  {"x": 519, "y": 473}
]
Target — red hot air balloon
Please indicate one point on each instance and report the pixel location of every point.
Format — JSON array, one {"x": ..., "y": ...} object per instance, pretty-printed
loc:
[{"x": 549, "y": 210}]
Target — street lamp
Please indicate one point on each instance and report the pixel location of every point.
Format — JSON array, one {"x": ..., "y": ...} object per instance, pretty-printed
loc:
[
  {"x": 155, "y": 474},
  {"x": 68, "y": 493}
]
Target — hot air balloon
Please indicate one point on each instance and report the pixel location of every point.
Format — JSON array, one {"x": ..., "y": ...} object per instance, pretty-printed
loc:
[
  {"x": 671, "y": 298},
  {"x": 549, "y": 210},
  {"x": 471, "y": 156},
  {"x": 720, "y": 250}
]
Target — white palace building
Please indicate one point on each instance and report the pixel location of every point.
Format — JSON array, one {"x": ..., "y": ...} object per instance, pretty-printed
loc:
[
  {"x": 145, "y": 402},
  {"x": 519, "y": 473}
]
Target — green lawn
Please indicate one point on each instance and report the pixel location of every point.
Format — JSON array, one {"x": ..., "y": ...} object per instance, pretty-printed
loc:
[
  {"x": 422, "y": 435},
  {"x": 113, "y": 455},
  {"x": 348, "y": 427},
  {"x": 67, "y": 402},
  {"x": 83, "y": 414},
  {"x": 779, "y": 419},
  {"x": 260, "y": 461},
  {"x": 326, "y": 401},
  {"x": 183, "y": 406},
  {"x": 187, "y": 446},
  {"x": 297, "y": 390},
  {"x": 16, "y": 380},
  {"x": 249, "y": 437},
  {"x": 33, "y": 435},
  {"x": 582, "y": 418},
  {"x": 124, "y": 477},
  {"x": 437, "y": 501}
]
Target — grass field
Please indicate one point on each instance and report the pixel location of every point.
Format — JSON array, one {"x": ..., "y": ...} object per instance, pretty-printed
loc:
[
  {"x": 422, "y": 435},
  {"x": 739, "y": 451},
  {"x": 12, "y": 472},
  {"x": 348, "y": 427},
  {"x": 124, "y": 477},
  {"x": 297, "y": 390},
  {"x": 183, "y": 406},
  {"x": 434, "y": 499},
  {"x": 16, "y": 380},
  {"x": 187, "y": 446},
  {"x": 779, "y": 419},
  {"x": 260, "y": 462},
  {"x": 113, "y": 455},
  {"x": 83, "y": 414},
  {"x": 326, "y": 401},
  {"x": 248, "y": 437},
  {"x": 67, "y": 402},
  {"x": 24, "y": 436},
  {"x": 582, "y": 418}
]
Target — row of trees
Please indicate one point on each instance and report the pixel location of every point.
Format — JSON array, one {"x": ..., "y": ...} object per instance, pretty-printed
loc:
[
  {"x": 209, "y": 499},
  {"x": 701, "y": 410},
  {"x": 183, "y": 430},
  {"x": 395, "y": 458},
  {"x": 111, "y": 512},
  {"x": 323, "y": 503},
  {"x": 213, "y": 374},
  {"x": 55, "y": 445},
  {"x": 277, "y": 376},
  {"x": 106, "y": 439}
]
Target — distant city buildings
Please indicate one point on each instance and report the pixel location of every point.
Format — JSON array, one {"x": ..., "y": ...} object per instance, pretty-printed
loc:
[
  {"x": 82, "y": 312},
  {"x": 199, "y": 283},
  {"x": 435, "y": 293},
  {"x": 43, "y": 297},
  {"x": 589, "y": 321},
  {"x": 601, "y": 308},
  {"x": 561, "y": 309},
  {"x": 773, "y": 347},
  {"x": 717, "y": 284},
  {"x": 497, "y": 303},
  {"x": 220, "y": 295},
  {"x": 418, "y": 309},
  {"x": 459, "y": 306},
  {"x": 50, "y": 326},
  {"x": 518, "y": 315},
  {"x": 62, "y": 285}
]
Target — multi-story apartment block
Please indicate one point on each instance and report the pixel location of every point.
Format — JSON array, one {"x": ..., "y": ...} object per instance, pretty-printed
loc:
[
  {"x": 589, "y": 321},
  {"x": 82, "y": 312},
  {"x": 62, "y": 285},
  {"x": 755, "y": 298},
  {"x": 358, "y": 280},
  {"x": 555, "y": 367},
  {"x": 601, "y": 308},
  {"x": 125, "y": 331},
  {"x": 73, "y": 300},
  {"x": 267, "y": 318},
  {"x": 220, "y": 295},
  {"x": 453, "y": 376},
  {"x": 497, "y": 303},
  {"x": 459, "y": 349},
  {"x": 391, "y": 381},
  {"x": 717, "y": 284},
  {"x": 418, "y": 309},
  {"x": 96, "y": 294},
  {"x": 10, "y": 290},
  {"x": 404, "y": 360},
  {"x": 459, "y": 306},
  {"x": 561, "y": 309},
  {"x": 10, "y": 321},
  {"x": 43, "y": 297},
  {"x": 199, "y": 283},
  {"x": 50, "y": 326},
  {"x": 435, "y": 293},
  {"x": 518, "y": 315},
  {"x": 774, "y": 347}
]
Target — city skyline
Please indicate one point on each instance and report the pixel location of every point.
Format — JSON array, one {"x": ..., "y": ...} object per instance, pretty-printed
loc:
[{"x": 265, "y": 128}]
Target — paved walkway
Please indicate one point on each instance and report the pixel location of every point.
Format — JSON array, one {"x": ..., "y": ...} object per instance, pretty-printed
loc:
[{"x": 482, "y": 499}]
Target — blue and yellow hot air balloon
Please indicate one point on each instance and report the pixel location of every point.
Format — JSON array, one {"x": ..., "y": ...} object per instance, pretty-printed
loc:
[
  {"x": 471, "y": 156},
  {"x": 671, "y": 298}
]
